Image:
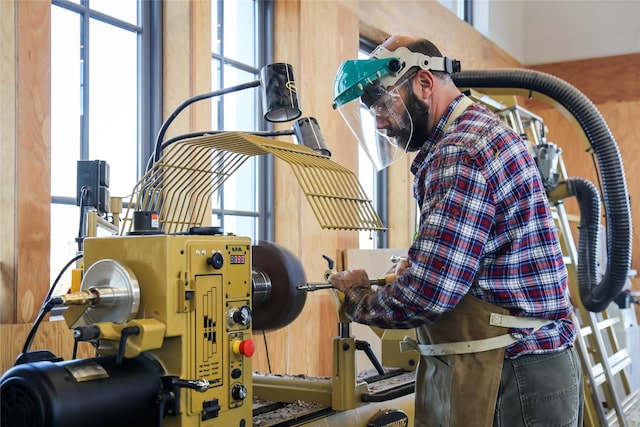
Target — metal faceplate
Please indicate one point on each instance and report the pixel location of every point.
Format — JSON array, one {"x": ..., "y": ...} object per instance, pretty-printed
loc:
[{"x": 119, "y": 292}]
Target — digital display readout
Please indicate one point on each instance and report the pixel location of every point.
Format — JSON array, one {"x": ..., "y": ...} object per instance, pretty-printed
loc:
[{"x": 237, "y": 259}]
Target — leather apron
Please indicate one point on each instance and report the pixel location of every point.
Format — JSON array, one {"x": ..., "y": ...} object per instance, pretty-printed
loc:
[
  {"x": 462, "y": 354},
  {"x": 459, "y": 389}
]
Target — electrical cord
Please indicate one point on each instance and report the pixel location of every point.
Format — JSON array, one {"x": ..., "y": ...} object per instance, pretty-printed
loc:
[
  {"x": 74, "y": 354},
  {"x": 83, "y": 194},
  {"x": 264, "y": 338},
  {"x": 157, "y": 152},
  {"x": 48, "y": 304}
]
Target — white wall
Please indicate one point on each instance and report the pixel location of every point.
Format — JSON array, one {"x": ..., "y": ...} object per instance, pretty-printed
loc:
[
  {"x": 501, "y": 21},
  {"x": 544, "y": 31}
]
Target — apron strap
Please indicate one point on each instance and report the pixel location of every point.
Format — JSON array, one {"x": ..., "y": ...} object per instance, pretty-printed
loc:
[
  {"x": 477, "y": 346},
  {"x": 464, "y": 103}
]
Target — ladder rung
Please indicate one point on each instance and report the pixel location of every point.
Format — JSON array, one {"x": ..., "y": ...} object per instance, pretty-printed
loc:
[
  {"x": 631, "y": 402},
  {"x": 630, "y": 405},
  {"x": 607, "y": 323},
  {"x": 603, "y": 324},
  {"x": 617, "y": 362}
]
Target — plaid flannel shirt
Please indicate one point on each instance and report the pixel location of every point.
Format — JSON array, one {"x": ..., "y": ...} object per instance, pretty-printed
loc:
[{"x": 485, "y": 228}]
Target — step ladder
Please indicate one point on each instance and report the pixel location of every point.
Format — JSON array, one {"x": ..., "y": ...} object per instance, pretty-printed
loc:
[{"x": 609, "y": 397}]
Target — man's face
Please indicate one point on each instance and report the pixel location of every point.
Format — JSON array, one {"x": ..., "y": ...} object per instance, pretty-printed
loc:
[
  {"x": 419, "y": 112},
  {"x": 402, "y": 117}
]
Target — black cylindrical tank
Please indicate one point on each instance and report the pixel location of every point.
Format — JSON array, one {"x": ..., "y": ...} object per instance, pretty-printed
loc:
[{"x": 79, "y": 393}]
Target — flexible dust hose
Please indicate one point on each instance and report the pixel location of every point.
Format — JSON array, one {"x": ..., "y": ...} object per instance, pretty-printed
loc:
[
  {"x": 588, "y": 197},
  {"x": 595, "y": 297}
]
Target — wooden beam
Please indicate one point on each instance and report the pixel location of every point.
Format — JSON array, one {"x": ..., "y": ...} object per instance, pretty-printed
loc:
[
  {"x": 8, "y": 84},
  {"x": 26, "y": 144}
]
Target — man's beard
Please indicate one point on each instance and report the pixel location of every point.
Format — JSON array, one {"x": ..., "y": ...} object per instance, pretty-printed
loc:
[{"x": 419, "y": 113}]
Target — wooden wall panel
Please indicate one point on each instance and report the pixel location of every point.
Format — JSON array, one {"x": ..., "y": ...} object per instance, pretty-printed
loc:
[
  {"x": 34, "y": 157},
  {"x": 53, "y": 336},
  {"x": 8, "y": 149},
  {"x": 187, "y": 64},
  {"x": 25, "y": 146},
  {"x": 429, "y": 19},
  {"x": 613, "y": 78},
  {"x": 315, "y": 51},
  {"x": 271, "y": 348}
]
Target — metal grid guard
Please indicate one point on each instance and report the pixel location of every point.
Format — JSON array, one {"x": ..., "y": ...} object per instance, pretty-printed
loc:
[{"x": 179, "y": 186}]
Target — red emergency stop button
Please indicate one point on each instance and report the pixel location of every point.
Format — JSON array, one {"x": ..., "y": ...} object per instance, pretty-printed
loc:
[{"x": 243, "y": 347}]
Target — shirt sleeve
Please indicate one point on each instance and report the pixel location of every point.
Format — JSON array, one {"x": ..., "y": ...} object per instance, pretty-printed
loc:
[{"x": 455, "y": 222}]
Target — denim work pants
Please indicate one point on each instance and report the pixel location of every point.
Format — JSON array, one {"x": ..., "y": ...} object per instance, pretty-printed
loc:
[{"x": 541, "y": 390}]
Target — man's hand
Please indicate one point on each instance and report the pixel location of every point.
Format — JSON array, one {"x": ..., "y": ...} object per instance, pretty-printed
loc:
[
  {"x": 345, "y": 280},
  {"x": 399, "y": 267}
]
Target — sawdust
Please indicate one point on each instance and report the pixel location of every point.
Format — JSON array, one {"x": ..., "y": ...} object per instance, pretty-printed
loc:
[
  {"x": 269, "y": 413},
  {"x": 393, "y": 380},
  {"x": 288, "y": 411},
  {"x": 299, "y": 376}
]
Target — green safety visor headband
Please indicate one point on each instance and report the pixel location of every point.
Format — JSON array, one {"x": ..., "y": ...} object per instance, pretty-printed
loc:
[{"x": 384, "y": 68}]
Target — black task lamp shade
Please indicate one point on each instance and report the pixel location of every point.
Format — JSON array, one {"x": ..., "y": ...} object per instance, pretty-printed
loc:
[
  {"x": 279, "y": 97},
  {"x": 308, "y": 133}
]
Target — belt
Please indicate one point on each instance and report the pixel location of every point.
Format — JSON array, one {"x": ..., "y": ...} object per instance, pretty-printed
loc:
[{"x": 476, "y": 346}]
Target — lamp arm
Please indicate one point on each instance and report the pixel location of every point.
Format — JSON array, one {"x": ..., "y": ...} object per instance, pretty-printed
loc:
[{"x": 163, "y": 129}]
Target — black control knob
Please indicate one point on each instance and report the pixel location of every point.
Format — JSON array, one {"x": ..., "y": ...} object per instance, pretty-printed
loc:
[
  {"x": 238, "y": 392},
  {"x": 216, "y": 260},
  {"x": 242, "y": 316}
]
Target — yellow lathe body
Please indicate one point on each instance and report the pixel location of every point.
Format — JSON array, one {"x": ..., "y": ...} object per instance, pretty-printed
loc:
[{"x": 197, "y": 303}]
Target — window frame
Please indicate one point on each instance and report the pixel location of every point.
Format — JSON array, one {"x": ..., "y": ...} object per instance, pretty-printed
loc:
[
  {"x": 150, "y": 95},
  {"x": 148, "y": 58},
  {"x": 148, "y": 30},
  {"x": 264, "y": 212},
  {"x": 381, "y": 178}
]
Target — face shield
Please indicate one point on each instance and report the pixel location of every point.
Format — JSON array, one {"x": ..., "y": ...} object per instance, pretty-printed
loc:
[
  {"x": 379, "y": 118},
  {"x": 380, "y": 122}
]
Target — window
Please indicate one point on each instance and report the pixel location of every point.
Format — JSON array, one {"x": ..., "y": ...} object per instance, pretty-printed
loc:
[
  {"x": 240, "y": 38},
  {"x": 373, "y": 182},
  {"x": 462, "y": 8},
  {"x": 106, "y": 78},
  {"x": 96, "y": 61}
]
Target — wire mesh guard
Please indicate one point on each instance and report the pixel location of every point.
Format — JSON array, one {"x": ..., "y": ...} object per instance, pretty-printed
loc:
[{"x": 180, "y": 185}]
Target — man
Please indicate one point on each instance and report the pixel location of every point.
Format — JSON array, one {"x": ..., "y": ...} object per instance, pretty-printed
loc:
[{"x": 484, "y": 284}]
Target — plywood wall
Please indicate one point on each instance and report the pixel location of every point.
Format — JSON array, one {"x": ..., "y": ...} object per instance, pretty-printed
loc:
[{"x": 25, "y": 181}]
